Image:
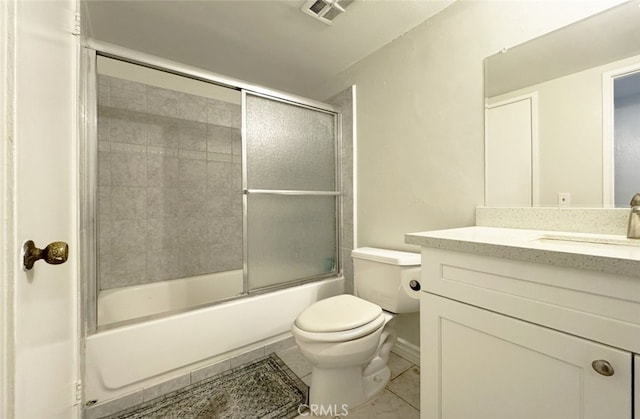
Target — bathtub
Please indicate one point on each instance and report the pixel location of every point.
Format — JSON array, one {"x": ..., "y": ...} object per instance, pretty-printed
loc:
[
  {"x": 129, "y": 358},
  {"x": 128, "y": 303}
]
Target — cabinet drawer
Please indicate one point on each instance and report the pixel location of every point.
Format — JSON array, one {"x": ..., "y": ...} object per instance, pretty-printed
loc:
[{"x": 599, "y": 306}]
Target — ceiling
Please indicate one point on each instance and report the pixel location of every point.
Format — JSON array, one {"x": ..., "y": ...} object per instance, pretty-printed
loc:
[{"x": 271, "y": 43}]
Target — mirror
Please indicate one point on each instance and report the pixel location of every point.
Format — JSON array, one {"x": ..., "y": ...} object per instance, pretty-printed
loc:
[{"x": 550, "y": 114}]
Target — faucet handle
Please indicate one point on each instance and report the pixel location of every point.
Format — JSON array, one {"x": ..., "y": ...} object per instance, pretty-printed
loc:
[{"x": 635, "y": 201}]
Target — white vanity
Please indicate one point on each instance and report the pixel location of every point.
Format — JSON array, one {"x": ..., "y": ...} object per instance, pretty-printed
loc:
[{"x": 529, "y": 324}]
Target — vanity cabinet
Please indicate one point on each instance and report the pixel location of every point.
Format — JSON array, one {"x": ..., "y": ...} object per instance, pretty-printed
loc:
[{"x": 504, "y": 339}]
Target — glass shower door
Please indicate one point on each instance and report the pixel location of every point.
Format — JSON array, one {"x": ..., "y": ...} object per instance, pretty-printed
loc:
[{"x": 290, "y": 191}]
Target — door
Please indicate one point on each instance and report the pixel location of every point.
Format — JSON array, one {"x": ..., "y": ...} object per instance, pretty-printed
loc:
[
  {"x": 485, "y": 365},
  {"x": 509, "y": 153},
  {"x": 41, "y": 350}
]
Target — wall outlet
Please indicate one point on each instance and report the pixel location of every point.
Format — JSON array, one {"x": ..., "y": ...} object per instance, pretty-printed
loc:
[{"x": 564, "y": 199}]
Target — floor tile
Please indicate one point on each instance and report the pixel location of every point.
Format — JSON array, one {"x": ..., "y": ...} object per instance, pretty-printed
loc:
[
  {"x": 397, "y": 365},
  {"x": 294, "y": 360},
  {"x": 407, "y": 386},
  {"x": 386, "y": 406}
]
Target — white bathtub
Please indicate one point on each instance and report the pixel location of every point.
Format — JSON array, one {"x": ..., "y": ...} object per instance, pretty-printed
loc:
[
  {"x": 128, "y": 358},
  {"x": 127, "y": 303}
]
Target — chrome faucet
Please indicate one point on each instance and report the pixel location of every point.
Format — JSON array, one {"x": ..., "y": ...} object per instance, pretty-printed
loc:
[{"x": 633, "y": 230}]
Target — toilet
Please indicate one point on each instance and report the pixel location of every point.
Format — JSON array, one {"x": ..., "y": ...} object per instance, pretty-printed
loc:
[{"x": 347, "y": 338}]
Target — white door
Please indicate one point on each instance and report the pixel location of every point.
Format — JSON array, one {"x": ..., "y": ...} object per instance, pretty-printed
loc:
[
  {"x": 40, "y": 187},
  {"x": 509, "y": 153},
  {"x": 488, "y": 366}
]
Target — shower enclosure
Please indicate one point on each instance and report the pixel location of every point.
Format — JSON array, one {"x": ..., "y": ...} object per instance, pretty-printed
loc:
[{"x": 203, "y": 192}]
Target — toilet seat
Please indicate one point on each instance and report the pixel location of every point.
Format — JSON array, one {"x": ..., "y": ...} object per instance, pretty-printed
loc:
[
  {"x": 343, "y": 336},
  {"x": 338, "y": 319}
]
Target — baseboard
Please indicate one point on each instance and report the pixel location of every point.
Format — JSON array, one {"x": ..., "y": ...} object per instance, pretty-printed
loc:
[{"x": 407, "y": 350}]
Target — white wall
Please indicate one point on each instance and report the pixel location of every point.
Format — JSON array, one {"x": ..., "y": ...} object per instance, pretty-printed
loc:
[{"x": 421, "y": 117}]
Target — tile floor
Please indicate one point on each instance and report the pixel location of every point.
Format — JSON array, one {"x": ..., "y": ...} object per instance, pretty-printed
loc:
[{"x": 400, "y": 400}]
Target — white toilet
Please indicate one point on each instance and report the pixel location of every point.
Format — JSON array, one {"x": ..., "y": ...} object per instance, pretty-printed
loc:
[{"x": 347, "y": 339}]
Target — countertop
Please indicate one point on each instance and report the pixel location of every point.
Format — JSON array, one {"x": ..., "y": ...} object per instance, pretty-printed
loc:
[{"x": 595, "y": 252}]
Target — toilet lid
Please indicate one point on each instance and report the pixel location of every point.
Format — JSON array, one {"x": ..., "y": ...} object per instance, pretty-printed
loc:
[{"x": 336, "y": 314}]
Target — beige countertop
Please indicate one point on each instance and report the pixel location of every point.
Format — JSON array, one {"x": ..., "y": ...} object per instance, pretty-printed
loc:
[{"x": 613, "y": 254}]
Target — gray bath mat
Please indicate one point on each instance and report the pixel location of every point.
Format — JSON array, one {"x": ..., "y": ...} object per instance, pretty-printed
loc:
[{"x": 266, "y": 388}]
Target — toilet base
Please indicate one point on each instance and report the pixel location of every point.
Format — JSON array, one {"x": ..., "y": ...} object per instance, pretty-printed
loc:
[{"x": 334, "y": 391}]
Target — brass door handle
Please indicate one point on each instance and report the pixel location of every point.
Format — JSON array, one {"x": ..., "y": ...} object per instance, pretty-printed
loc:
[{"x": 54, "y": 254}]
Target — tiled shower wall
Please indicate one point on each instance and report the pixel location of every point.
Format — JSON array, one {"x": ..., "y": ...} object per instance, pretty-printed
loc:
[{"x": 169, "y": 184}]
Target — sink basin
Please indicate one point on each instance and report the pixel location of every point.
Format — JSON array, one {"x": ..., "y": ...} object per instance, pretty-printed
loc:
[{"x": 591, "y": 238}]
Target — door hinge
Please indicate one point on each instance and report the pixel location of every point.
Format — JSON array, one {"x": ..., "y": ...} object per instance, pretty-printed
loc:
[
  {"x": 78, "y": 392},
  {"x": 76, "y": 24}
]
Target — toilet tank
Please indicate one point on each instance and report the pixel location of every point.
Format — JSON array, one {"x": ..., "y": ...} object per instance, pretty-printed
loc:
[{"x": 379, "y": 275}]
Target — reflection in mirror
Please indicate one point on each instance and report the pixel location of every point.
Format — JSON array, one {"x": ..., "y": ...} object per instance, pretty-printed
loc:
[
  {"x": 550, "y": 115},
  {"x": 626, "y": 94}
]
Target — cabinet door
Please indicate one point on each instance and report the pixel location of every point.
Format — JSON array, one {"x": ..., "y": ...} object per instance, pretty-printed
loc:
[{"x": 482, "y": 365}]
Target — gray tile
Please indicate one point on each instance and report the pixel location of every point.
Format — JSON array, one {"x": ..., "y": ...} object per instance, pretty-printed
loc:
[
  {"x": 407, "y": 386},
  {"x": 114, "y": 406},
  {"x": 220, "y": 177},
  {"x": 193, "y": 136},
  {"x": 128, "y": 169},
  {"x": 307, "y": 379},
  {"x": 192, "y": 173},
  {"x": 247, "y": 357},
  {"x": 103, "y": 124},
  {"x": 127, "y": 99},
  {"x": 220, "y": 157},
  {"x": 194, "y": 260},
  {"x": 162, "y": 131},
  {"x": 163, "y": 202},
  {"x": 118, "y": 83},
  {"x": 192, "y": 108},
  {"x": 280, "y": 345},
  {"x": 104, "y": 232},
  {"x": 104, "y": 168},
  {"x": 162, "y": 233},
  {"x": 162, "y": 265},
  {"x": 210, "y": 371},
  {"x": 192, "y": 202},
  {"x": 151, "y": 392},
  {"x": 104, "y": 203},
  {"x": 193, "y": 231},
  {"x": 128, "y": 235},
  {"x": 162, "y": 102},
  {"x": 398, "y": 365},
  {"x": 162, "y": 170},
  {"x": 127, "y": 127},
  {"x": 385, "y": 406},
  {"x": 296, "y": 361},
  {"x": 219, "y": 205},
  {"x": 218, "y": 113},
  {"x": 219, "y": 139},
  {"x": 128, "y": 262},
  {"x": 236, "y": 141},
  {"x": 128, "y": 203}
]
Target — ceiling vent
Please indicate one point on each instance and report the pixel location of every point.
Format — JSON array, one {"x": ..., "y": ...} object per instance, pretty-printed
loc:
[{"x": 325, "y": 10}]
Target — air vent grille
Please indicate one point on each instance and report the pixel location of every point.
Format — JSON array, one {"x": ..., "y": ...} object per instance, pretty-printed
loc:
[{"x": 325, "y": 10}]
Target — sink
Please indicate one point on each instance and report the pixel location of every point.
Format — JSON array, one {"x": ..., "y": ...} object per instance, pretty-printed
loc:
[{"x": 591, "y": 238}]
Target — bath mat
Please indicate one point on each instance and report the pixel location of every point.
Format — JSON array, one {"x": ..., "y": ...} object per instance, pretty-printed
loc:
[{"x": 266, "y": 388}]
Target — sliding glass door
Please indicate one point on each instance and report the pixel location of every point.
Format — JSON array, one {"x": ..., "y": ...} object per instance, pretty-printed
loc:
[{"x": 290, "y": 188}]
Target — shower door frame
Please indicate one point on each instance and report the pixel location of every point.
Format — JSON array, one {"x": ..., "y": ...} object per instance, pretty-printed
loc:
[{"x": 88, "y": 169}]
